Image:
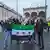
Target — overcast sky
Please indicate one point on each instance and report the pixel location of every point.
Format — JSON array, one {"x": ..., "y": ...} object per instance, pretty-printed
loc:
[{"x": 25, "y": 4}]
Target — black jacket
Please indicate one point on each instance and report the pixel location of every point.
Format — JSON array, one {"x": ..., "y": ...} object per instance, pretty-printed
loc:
[{"x": 40, "y": 25}]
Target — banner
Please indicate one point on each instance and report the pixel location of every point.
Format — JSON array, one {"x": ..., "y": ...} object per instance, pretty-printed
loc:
[{"x": 22, "y": 30}]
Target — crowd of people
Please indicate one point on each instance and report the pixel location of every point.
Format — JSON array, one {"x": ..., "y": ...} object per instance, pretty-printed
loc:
[
  {"x": 6, "y": 23},
  {"x": 39, "y": 25}
]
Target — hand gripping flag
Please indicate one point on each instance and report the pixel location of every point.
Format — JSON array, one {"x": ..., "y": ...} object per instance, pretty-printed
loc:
[{"x": 22, "y": 30}]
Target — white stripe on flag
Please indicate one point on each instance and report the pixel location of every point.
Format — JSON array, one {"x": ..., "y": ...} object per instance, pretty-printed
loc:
[{"x": 26, "y": 32}]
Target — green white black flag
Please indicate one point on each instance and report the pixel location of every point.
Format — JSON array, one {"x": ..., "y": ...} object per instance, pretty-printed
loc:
[{"x": 22, "y": 30}]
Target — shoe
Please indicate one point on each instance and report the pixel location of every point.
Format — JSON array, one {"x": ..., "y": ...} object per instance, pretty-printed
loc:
[
  {"x": 38, "y": 45},
  {"x": 41, "y": 47}
]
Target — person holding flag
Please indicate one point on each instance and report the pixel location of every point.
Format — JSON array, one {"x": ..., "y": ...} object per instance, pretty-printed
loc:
[{"x": 40, "y": 33}]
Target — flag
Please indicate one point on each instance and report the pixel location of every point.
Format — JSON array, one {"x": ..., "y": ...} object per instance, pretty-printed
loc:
[{"x": 22, "y": 30}]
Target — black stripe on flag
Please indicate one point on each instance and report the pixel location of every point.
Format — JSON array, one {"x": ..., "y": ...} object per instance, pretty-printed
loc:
[
  {"x": 17, "y": 32},
  {"x": 29, "y": 32},
  {"x": 23, "y": 32}
]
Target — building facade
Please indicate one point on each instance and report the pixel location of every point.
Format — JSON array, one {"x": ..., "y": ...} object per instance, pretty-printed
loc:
[
  {"x": 35, "y": 11},
  {"x": 6, "y": 12}
]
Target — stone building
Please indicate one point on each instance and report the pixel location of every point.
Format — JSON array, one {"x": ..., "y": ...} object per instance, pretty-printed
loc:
[
  {"x": 35, "y": 11},
  {"x": 6, "y": 12}
]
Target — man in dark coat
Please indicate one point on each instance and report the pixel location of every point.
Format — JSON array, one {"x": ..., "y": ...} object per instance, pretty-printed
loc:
[{"x": 40, "y": 32}]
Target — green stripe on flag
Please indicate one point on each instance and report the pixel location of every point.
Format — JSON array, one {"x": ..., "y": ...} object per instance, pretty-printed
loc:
[{"x": 22, "y": 27}]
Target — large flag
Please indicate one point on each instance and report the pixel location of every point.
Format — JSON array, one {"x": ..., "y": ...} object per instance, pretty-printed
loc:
[{"x": 22, "y": 30}]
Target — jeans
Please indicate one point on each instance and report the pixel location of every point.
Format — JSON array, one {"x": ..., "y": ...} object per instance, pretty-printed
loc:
[
  {"x": 48, "y": 28},
  {"x": 10, "y": 33},
  {"x": 40, "y": 39}
]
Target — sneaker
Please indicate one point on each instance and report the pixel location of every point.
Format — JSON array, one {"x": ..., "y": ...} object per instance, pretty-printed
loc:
[
  {"x": 41, "y": 47},
  {"x": 22, "y": 42}
]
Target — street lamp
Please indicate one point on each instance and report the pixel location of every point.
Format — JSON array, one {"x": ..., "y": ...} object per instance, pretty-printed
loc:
[
  {"x": 17, "y": 7},
  {"x": 45, "y": 7}
]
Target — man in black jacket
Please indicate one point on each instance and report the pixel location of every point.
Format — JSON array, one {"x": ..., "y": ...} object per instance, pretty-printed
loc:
[{"x": 40, "y": 33}]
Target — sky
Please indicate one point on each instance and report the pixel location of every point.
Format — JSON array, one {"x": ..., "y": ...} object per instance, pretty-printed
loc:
[{"x": 25, "y": 4}]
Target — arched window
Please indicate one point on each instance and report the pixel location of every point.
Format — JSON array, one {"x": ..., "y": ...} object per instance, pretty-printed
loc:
[
  {"x": 42, "y": 13},
  {"x": 33, "y": 14},
  {"x": 27, "y": 14}
]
